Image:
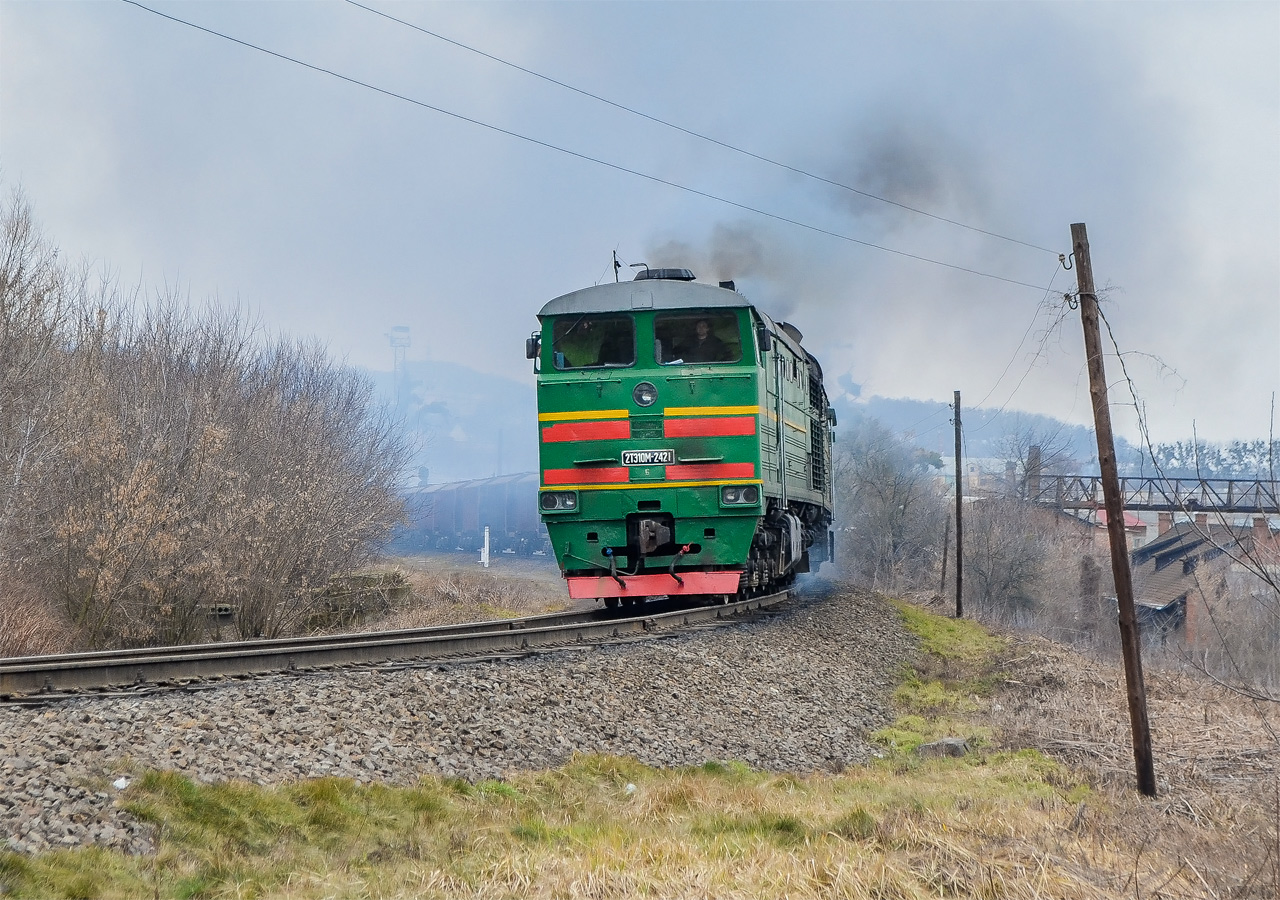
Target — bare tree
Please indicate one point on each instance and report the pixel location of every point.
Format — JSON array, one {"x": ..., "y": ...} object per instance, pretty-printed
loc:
[
  {"x": 156, "y": 461},
  {"x": 1034, "y": 451},
  {"x": 891, "y": 508}
]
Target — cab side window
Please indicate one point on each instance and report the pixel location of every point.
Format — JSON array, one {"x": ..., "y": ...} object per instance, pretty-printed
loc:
[{"x": 593, "y": 341}]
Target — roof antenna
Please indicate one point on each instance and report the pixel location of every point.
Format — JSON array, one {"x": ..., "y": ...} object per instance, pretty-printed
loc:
[{"x": 616, "y": 266}]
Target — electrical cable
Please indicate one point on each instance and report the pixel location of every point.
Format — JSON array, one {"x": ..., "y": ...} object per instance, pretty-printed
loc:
[
  {"x": 691, "y": 133},
  {"x": 616, "y": 167},
  {"x": 1041, "y": 306},
  {"x": 914, "y": 425}
]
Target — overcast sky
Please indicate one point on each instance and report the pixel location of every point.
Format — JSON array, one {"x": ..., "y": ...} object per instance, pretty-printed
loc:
[{"x": 177, "y": 157}]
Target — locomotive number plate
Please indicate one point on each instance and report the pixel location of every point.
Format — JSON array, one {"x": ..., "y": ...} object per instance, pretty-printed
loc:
[{"x": 648, "y": 457}]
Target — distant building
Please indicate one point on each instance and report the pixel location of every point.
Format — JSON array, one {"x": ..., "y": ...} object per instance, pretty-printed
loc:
[
  {"x": 983, "y": 476},
  {"x": 1182, "y": 573},
  {"x": 1134, "y": 528}
]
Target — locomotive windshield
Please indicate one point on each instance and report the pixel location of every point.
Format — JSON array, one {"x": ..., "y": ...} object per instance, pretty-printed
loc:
[
  {"x": 589, "y": 341},
  {"x": 697, "y": 337}
]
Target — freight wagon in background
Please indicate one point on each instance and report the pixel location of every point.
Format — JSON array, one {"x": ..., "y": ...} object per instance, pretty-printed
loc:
[{"x": 453, "y": 516}]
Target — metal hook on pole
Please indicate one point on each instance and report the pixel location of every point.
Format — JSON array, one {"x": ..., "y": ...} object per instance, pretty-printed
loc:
[{"x": 1064, "y": 259}]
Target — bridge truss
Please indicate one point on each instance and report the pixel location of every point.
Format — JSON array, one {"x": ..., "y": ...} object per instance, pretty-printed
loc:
[{"x": 1225, "y": 495}]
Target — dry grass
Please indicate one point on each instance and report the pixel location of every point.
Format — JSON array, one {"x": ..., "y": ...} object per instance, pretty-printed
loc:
[
  {"x": 31, "y": 625},
  {"x": 1216, "y": 818},
  {"x": 452, "y": 588},
  {"x": 1004, "y": 825},
  {"x": 444, "y": 589}
]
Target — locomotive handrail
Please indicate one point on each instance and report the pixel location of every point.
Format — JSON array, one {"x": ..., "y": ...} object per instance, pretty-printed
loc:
[{"x": 584, "y": 381}]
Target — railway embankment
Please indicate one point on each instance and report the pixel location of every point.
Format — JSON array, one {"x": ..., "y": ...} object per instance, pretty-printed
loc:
[
  {"x": 798, "y": 691},
  {"x": 583, "y": 773}
]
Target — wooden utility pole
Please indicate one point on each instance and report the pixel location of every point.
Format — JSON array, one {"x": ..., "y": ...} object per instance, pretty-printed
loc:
[
  {"x": 1129, "y": 638},
  {"x": 946, "y": 545},
  {"x": 959, "y": 524}
]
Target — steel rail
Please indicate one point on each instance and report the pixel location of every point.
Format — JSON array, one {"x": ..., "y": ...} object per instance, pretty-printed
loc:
[{"x": 20, "y": 678}]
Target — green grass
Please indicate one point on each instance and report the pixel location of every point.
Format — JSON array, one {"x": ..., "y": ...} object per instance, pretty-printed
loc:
[
  {"x": 955, "y": 674},
  {"x": 945, "y": 638}
]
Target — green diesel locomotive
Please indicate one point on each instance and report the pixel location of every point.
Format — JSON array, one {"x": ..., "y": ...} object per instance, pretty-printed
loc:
[{"x": 684, "y": 442}]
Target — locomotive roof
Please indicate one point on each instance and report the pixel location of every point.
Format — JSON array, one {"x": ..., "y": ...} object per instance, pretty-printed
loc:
[{"x": 626, "y": 296}]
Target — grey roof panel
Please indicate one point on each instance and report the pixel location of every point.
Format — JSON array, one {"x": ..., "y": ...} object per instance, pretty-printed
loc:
[{"x": 646, "y": 294}]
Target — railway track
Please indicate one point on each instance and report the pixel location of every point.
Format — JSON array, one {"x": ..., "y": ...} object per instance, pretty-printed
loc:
[{"x": 41, "y": 679}]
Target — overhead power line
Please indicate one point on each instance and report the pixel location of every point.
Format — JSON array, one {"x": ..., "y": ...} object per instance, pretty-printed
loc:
[
  {"x": 577, "y": 155},
  {"x": 691, "y": 133},
  {"x": 1042, "y": 306}
]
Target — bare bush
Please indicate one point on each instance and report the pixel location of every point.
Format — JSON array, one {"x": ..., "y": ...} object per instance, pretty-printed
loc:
[
  {"x": 891, "y": 509},
  {"x": 159, "y": 462},
  {"x": 1232, "y": 633},
  {"x": 1037, "y": 570},
  {"x": 1021, "y": 561}
]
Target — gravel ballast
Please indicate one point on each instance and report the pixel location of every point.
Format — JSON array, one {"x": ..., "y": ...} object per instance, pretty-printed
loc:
[{"x": 797, "y": 691}]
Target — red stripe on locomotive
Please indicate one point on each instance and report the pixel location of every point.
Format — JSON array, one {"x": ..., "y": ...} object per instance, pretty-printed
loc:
[
  {"x": 694, "y": 471},
  {"x": 590, "y": 587},
  {"x": 718, "y": 426},
  {"x": 586, "y": 431},
  {"x": 610, "y": 475}
]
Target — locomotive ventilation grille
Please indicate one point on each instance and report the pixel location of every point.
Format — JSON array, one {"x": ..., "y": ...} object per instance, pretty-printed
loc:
[{"x": 818, "y": 467}]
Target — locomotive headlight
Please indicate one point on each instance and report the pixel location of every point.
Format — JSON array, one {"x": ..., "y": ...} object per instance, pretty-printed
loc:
[
  {"x": 731, "y": 495},
  {"x": 645, "y": 394},
  {"x": 558, "y": 501}
]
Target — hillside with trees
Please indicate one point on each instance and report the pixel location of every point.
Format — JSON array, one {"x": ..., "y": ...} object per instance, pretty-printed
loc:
[{"x": 1048, "y": 571}]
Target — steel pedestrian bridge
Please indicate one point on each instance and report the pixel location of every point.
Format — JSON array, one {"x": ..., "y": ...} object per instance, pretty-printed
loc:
[{"x": 1227, "y": 495}]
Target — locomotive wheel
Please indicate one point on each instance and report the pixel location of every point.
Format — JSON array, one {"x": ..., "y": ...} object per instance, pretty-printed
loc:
[{"x": 611, "y": 602}]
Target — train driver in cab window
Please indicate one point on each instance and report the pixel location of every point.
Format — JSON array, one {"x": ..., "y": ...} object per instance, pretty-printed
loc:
[
  {"x": 703, "y": 345},
  {"x": 698, "y": 338}
]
